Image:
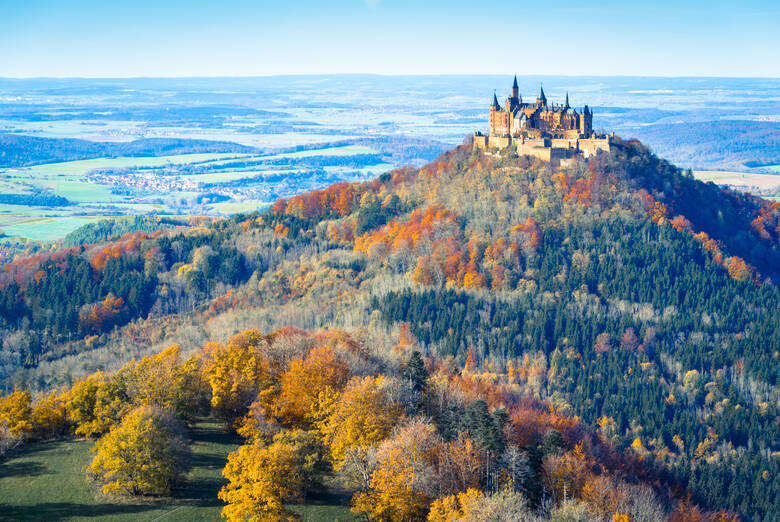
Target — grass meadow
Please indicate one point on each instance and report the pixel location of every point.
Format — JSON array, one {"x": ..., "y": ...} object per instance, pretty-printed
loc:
[{"x": 44, "y": 481}]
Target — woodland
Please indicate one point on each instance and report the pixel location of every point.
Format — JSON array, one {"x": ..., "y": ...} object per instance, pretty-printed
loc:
[{"x": 481, "y": 338}]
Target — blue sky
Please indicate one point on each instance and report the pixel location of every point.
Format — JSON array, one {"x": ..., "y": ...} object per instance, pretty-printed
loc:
[{"x": 121, "y": 38}]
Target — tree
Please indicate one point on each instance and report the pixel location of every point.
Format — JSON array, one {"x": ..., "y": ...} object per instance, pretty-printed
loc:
[
  {"x": 455, "y": 508},
  {"x": 236, "y": 373},
  {"x": 460, "y": 465},
  {"x": 50, "y": 416},
  {"x": 515, "y": 463},
  {"x": 552, "y": 442},
  {"x": 302, "y": 384},
  {"x": 142, "y": 456},
  {"x": 566, "y": 473},
  {"x": 363, "y": 416},
  {"x": 262, "y": 478},
  {"x": 165, "y": 380},
  {"x": 16, "y": 413},
  {"x": 403, "y": 482},
  {"x": 415, "y": 376},
  {"x": 97, "y": 403}
]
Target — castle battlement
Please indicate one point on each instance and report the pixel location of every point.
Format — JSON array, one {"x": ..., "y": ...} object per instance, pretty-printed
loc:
[{"x": 547, "y": 132}]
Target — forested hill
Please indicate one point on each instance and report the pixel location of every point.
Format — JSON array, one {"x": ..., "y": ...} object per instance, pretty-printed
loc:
[
  {"x": 18, "y": 150},
  {"x": 618, "y": 290}
]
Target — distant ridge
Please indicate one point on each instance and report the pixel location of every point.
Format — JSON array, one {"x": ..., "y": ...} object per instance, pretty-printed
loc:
[{"x": 17, "y": 150}]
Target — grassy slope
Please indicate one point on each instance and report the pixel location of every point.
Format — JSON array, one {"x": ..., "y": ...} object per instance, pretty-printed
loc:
[{"x": 45, "y": 482}]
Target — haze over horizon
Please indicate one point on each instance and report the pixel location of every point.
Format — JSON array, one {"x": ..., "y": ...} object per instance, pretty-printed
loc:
[{"x": 87, "y": 38}]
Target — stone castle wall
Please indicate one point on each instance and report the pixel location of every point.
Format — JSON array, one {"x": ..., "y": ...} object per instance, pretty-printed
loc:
[{"x": 552, "y": 150}]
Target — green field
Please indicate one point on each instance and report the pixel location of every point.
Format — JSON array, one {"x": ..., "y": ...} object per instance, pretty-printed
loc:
[
  {"x": 47, "y": 228},
  {"x": 45, "y": 482},
  {"x": 90, "y": 201},
  {"x": 746, "y": 179}
]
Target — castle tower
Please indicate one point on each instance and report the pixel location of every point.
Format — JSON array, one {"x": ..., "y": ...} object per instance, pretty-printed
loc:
[
  {"x": 494, "y": 109},
  {"x": 541, "y": 101},
  {"x": 515, "y": 89},
  {"x": 586, "y": 122},
  {"x": 566, "y": 106}
]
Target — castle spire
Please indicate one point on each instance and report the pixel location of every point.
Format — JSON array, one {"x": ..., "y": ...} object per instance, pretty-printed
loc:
[
  {"x": 515, "y": 89},
  {"x": 567, "y": 101},
  {"x": 542, "y": 99},
  {"x": 495, "y": 104},
  {"x": 514, "y": 85}
]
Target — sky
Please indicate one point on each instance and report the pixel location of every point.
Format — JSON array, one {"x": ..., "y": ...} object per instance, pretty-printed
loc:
[{"x": 130, "y": 38}]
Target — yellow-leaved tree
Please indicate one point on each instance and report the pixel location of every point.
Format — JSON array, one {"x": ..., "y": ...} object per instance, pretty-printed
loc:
[
  {"x": 473, "y": 505},
  {"x": 362, "y": 416},
  {"x": 97, "y": 403},
  {"x": 143, "y": 455},
  {"x": 16, "y": 413},
  {"x": 455, "y": 508},
  {"x": 50, "y": 416},
  {"x": 262, "y": 478},
  {"x": 300, "y": 386},
  {"x": 165, "y": 380},
  {"x": 236, "y": 373},
  {"x": 403, "y": 481}
]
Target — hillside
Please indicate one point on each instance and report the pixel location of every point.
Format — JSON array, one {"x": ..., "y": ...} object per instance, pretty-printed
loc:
[
  {"x": 619, "y": 291},
  {"x": 19, "y": 150}
]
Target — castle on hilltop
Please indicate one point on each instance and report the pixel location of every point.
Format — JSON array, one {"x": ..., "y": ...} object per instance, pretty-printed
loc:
[{"x": 547, "y": 132}]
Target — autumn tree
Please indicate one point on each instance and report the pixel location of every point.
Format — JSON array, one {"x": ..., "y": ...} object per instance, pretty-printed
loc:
[
  {"x": 49, "y": 416},
  {"x": 141, "y": 456},
  {"x": 566, "y": 473},
  {"x": 165, "y": 380},
  {"x": 363, "y": 416},
  {"x": 403, "y": 482},
  {"x": 320, "y": 370},
  {"x": 262, "y": 478},
  {"x": 473, "y": 505},
  {"x": 16, "y": 413},
  {"x": 236, "y": 372},
  {"x": 460, "y": 464},
  {"x": 97, "y": 403},
  {"x": 454, "y": 508}
]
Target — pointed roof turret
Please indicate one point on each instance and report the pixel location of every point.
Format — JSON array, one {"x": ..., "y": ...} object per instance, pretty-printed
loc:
[
  {"x": 514, "y": 85},
  {"x": 495, "y": 104},
  {"x": 567, "y": 101},
  {"x": 542, "y": 98}
]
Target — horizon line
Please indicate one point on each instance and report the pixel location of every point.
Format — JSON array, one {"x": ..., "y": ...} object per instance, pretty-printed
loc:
[{"x": 388, "y": 75}]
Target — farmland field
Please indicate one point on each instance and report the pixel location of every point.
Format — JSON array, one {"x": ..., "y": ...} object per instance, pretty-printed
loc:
[
  {"x": 739, "y": 179},
  {"x": 36, "y": 468},
  {"x": 201, "y": 184}
]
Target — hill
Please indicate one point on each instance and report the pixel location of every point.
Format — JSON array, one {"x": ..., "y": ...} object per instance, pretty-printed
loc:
[
  {"x": 19, "y": 150},
  {"x": 620, "y": 291}
]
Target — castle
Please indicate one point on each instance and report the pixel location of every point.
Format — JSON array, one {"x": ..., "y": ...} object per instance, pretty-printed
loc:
[{"x": 550, "y": 133}]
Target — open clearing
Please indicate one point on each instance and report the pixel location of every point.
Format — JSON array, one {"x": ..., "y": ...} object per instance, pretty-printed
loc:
[{"x": 44, "y": 482}]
